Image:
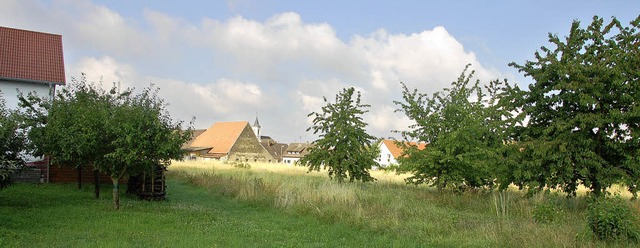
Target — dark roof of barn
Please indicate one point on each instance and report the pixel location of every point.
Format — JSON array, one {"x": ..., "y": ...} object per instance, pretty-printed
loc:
[
  {"x": 275, "y": 149},
  {"x": 298, "y": 147},
  {"x": 31, "y": 56}
]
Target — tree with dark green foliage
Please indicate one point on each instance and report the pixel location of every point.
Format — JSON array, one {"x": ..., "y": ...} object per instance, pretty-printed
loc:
[
  {"x": 583, "y": 110},
  {"x": 464, "y": 127},
  {"x": 141, "y": 135},
  {"x": 11, "y": 143},
  {"x": 344, "y": 147},
  {"x": 114, "y": 132},
  {"x": 73, "y": 135}
]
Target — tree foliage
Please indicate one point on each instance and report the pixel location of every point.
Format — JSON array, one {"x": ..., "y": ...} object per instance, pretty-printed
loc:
[
  {"x": 464, "y": 127},
  {"x": 11, "y": 143},
  {"x": 344, "y": 146},
  {"x": 115, "y": 132},
  {"x": 583, "y": 109}
]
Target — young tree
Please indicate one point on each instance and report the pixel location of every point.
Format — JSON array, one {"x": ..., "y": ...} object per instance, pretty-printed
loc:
[
  {"x": 11, "y": 143},
  {"x": 344, "y": 147},
  {"x": 583, "y": 109},
  {"x": 464, "y": 127}
]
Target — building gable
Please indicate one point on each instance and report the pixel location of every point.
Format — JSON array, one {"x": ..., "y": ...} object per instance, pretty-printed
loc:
[
  {"x": 248, "y": 148},
  {"x": 31, "y": 56},
  {"x": 396, "y": 150},
  {"x": 390, "y": 151}
]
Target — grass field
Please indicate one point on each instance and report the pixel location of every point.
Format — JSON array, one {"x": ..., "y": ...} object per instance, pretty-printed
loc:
[{"x": 270, "y": 205}]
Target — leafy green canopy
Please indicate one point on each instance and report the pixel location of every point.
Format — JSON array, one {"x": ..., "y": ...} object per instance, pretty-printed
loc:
[
  {"x": 464, "y": 128},
  {"x": 583, "y": 109},
  {"x": 344, "y": 146},
  {"x": 115, "y": 132},
  {"x": 11, "y": 143}
]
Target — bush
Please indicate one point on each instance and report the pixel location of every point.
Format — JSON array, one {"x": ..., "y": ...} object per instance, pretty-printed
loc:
[
  {"x": 7, "y": 169},
  {"x": 612, "y": 218},
  {"x": 545, "y": 213}
]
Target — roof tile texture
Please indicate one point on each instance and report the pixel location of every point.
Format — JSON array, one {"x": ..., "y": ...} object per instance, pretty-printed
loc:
[
  {"x": 221, "y": 136},
  {"x": 31, "y": 55},
  {"x": 396, "y": 151}
]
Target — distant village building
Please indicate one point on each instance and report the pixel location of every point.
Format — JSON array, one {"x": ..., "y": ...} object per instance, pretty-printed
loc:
[
  {"x": 230, "y": 141},
  {"x": 390, "y": 151},
  {"x": 31, "y": 61},
  {"x": 274, "y": 148},
  {"x": 295, "y": 152}
]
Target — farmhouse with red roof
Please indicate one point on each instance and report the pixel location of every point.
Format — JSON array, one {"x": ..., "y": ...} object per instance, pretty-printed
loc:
[
  {"x": 390, "y": 151},
  {"x": 230, "y": 141}
]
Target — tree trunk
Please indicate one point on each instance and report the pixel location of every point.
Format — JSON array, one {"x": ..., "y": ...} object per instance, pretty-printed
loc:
[
  {"x": 96, "y": 181},
  {"x": 596, "y": 188},
  {"x": 116, "y": 193},
  {"x": 79, "y": 177}
]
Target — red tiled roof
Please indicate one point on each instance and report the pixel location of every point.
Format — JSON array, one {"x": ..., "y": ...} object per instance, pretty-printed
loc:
[
  {"x": 221, "y": 136},
  {"x": 32, "y": 56},
  {"x": 396, "y": 151}
]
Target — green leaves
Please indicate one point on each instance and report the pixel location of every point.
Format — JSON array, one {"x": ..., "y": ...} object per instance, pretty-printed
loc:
[
  {"x": 344, "y": 147},
  {"x": 583, "y": 108},
  {"x": 463, "y": 134},
  {"x": 12, "y": 140},
  {"x": 115, "y": 132}
]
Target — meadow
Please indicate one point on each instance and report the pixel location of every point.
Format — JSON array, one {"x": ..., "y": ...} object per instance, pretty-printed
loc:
[
  {"x": 212, "y": 204},
  {"x": 389, "y": 206}
]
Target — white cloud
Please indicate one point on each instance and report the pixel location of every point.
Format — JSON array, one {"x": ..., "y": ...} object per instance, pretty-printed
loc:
[
  {"x": 432, "y": 57},
  {"x": 383, "y": 118},
  {"x": 105, "y": 69},
  {"x": 227, "y": 70}
]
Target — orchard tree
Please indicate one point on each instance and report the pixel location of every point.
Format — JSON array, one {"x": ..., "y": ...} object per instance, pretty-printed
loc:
[
  {"x": 11, "y": 143},
  {"x": 141, "y": 135},
  {"x": 115, "y": 132},
  {"x": 583, "y": 110},
  {"x": 464, "y": 127},
  {"x": 344, "y": 146},
  {"x": 70, "y": 129}
]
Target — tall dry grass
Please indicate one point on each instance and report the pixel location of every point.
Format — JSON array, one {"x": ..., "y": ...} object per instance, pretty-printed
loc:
[{"x": 392, "y": 207}]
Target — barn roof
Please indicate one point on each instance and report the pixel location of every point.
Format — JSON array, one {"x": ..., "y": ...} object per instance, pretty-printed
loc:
[
  {"x": 31, "y": 56},
  {"x": 220, "y": 137},
  {"x": 195, "y": 133},
  {"x": 396, "y": 151}
]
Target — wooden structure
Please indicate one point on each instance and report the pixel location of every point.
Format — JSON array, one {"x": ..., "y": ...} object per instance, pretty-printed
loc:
[{"x": 149, "y": 185}]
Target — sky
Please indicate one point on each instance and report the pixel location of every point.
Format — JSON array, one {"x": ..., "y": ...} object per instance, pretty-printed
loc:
[{"x": 234, "y": 60}]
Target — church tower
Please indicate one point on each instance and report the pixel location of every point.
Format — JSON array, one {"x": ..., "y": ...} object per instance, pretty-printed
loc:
[{"x": 256, "y": 128}]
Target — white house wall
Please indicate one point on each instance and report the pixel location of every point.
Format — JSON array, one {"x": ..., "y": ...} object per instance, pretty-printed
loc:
[
  {"x": 10, "y": 94},
  {"x": 291, "y": 161},
  {"x": 386, "y": 158}
]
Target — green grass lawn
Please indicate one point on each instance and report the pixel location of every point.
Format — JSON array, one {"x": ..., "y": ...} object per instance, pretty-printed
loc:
[
  {"x": 61, "y": 216},
  {"x": 231, "y": 207}
]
